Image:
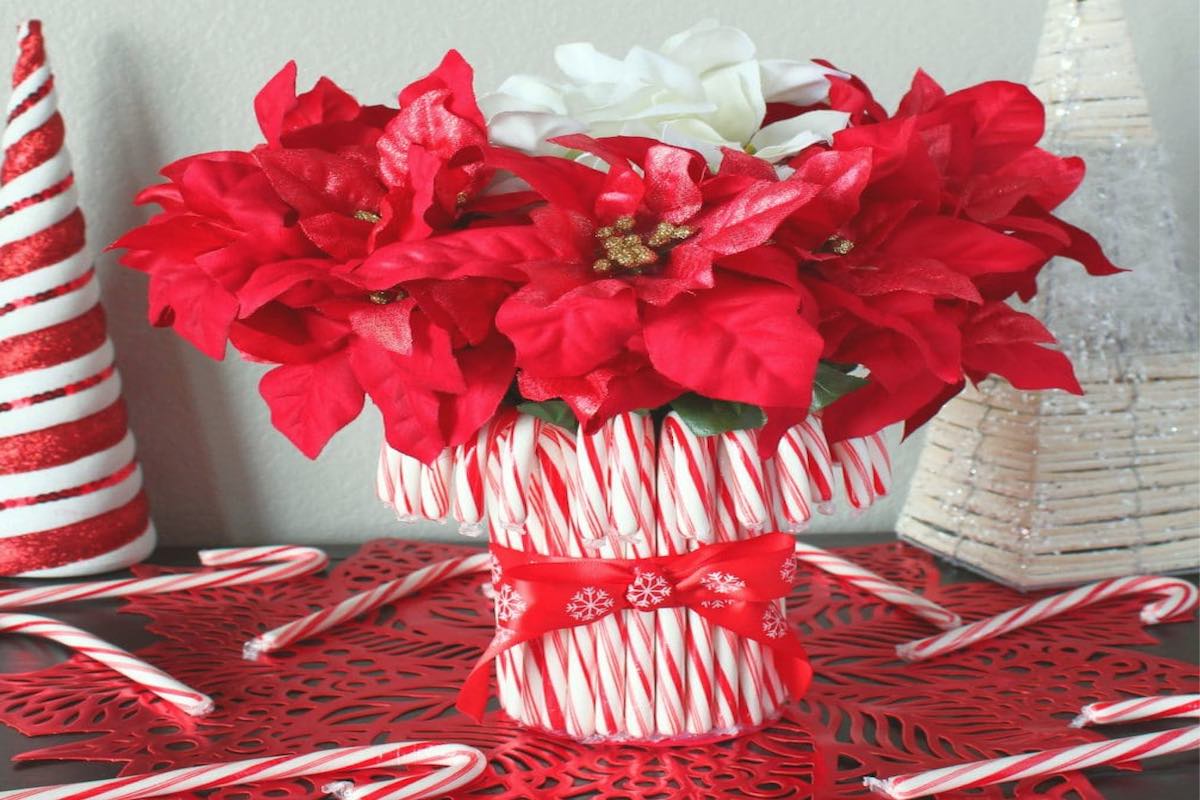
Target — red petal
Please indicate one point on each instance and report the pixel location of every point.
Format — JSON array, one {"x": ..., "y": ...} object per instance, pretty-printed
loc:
[
  {"x": 489, "y": 373},
  {"x": 872, "y": 408},
  {"x": 572, "y": 333},
  {"x": 670, "y": 191},
  {"x": 483, "y": 252},
  {"x": 196, "y": 306},
  {"x": 314, "y": 182},
  {"x": 344, "y": 238},
  {"x": 567, "y": 184},
  {"x": 273, "y": 102},
  {"x": 1023, "y": 364},
  {"x": 311, "y": 402},
  {"x": 743, "y": 341},
  {"x": 923, "y": 95},
  {"x": 752, "y": 216},
  {"x": 280, "y": 335},
  {"x": 271, "y": 280},
  {"x": 1008, "y": 119},
  {"x": 455, "y": 75},
  {"x": 968, "y": 247}
]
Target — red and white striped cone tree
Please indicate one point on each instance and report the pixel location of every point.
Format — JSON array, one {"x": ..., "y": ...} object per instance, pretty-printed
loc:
[{"x": 71, "y": 499}]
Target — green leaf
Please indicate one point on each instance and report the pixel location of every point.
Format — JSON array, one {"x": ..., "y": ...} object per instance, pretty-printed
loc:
[
  {"x": 556, "y": 412},
  {"x": 709, "y": 417},
  {"x": 831, "y": 383}
]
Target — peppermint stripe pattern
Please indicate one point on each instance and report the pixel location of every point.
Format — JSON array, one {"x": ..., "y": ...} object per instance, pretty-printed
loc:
[{"x": 71, "y": 499}]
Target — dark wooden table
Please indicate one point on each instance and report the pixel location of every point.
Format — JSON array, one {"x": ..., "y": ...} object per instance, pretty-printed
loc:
[{"x": 1170, "y": 778}]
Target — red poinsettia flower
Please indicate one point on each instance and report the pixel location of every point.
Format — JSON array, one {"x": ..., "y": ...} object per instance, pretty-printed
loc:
[
  {"x": 645, "y": 280},
  {"x": 956, "y": 218},
  {"x": 259, "y": 248}
]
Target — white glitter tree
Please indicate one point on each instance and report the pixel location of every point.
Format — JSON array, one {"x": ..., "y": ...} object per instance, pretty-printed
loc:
[{"x": 1045, "y": 489}]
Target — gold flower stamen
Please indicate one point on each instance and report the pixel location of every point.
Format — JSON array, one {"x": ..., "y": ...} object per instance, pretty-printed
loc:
[
  {"x": 839, "y": 245},
  {"x": 367, "y": 216},
  {"x": 665, "y": 233},
  {"x": 629, "y": 252},
  {"x": 381, "y": 297}
]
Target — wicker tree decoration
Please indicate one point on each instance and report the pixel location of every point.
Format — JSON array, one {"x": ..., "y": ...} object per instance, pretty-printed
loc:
[{"x": 1047, "y": 489}]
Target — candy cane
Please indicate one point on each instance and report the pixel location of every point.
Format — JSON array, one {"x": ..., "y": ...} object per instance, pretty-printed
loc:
[
  {"x": 467, "y": 504},
  {"x": 519, "y": 676},
  {"x": 1031, "y": 765},
  {"x": 402, "y": 480},
  {"x": 670, "y": 636},
  {"x": 857, "y": 478},
  {"x": 881, "y": 464},
  {"x": 516, "y": 460},
  {"x": 591, "y": 514},
  {"x": 435, "y": 486},
  {"x": 692, "y": 469},
  {"x": 247, "y": 565},
  {"x": 545, "y": 534},
  {"x": 177, "y": 694},
  {"x": 1178, "y": 597},
  {"x": 820, "y": 462},
  {"x": 885, "y": 590},
  {"x": 746, "y": 478},
  {"x": 628, "y": 461},
  {"x": 1138, "y": 708},
  {"x": 459, "y": 766},
  {"x": 775, "y": 516},
  {"x": 748, "y": 670},
  {"x": 795, "y": 489},
  {"x": 361, "y": 603},
  {"x": 558, "y": 484}
]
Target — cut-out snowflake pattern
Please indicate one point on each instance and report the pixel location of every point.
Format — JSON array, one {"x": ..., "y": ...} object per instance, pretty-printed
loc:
[
  {"x": 589, "y": 603},
  {"x": 509, "y": 604},
  {"x": 648, "y": 590},
  {"x": 787, "y": 571},
  {"x": 722, "y": 582},
  {"x": 773, "y": 624}
]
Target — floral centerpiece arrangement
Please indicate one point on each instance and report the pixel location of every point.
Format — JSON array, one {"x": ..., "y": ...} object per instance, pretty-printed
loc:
[{"x": 631, "y": 320}]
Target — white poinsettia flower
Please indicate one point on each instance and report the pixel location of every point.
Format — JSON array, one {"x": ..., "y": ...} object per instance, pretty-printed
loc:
[{"x": 703, "y": 89}]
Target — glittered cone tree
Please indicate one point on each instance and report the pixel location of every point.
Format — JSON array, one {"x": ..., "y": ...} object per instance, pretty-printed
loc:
[
  {"x": 71, "y": 499},
  {"x": 1040, "y": 489}
]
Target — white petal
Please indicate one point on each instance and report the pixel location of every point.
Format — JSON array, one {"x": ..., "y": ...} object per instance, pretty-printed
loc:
[
  {"x": 695, "y": 135},
  {"x": 737, "y": 93},
  {"x": 800, "y": 82},
  {"x": 582, "y": 63},
  {"x": 655, "y": 69},
  {"x": 529, "y": 130},
  {"x": 525, "y": 93},
  {"x": 789, "y": 136},
  {"x": 709, "y": 46}
]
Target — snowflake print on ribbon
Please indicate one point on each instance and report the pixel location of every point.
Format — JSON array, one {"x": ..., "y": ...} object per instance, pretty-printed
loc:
[
  {"x": 649, "y": 589},
  {"x": 715, "y": 603},
  {"x": 773, "y": 625},
  {"x": 589, "y": 603},
  {"x": 722, "y": 583},
  {"x": 509, "y": 604},
  {"x": 787, "y": 571},
  {"x": 496, "y": 570}
]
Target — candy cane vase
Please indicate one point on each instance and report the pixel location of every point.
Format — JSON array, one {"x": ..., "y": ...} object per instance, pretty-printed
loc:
[{"x": 638, "y": 572}]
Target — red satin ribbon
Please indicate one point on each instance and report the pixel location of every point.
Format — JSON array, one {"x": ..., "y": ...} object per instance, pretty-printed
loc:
[{"x": 731, "y": 584}]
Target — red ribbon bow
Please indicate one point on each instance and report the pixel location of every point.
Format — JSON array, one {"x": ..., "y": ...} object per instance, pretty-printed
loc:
[{"x": 731, "y": 584}]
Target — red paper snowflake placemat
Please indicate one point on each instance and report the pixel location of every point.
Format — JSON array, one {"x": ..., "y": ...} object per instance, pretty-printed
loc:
[{"x": 393, "y": 675}]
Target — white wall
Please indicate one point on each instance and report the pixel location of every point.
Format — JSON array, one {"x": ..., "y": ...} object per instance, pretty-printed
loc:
[{"x": 143, "y": 83}]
